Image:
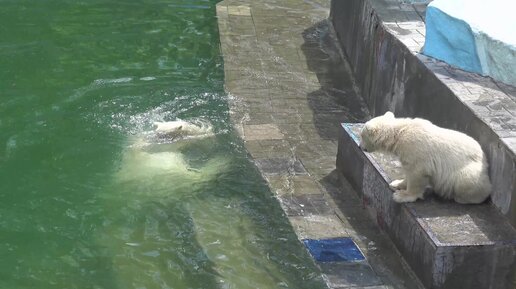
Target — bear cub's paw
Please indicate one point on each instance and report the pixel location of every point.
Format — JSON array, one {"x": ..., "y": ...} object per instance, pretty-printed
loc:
[
  {"x": 398, "y": 184},
  {"x": 404, "y": 197}
]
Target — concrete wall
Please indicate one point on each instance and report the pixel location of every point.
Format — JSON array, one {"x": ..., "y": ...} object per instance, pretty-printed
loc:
[{"x": 393, "y": 78}]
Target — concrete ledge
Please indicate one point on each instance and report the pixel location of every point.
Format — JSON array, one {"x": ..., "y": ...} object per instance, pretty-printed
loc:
[
  {"x": 382, "y": 39},
  {"x": 448, "y": 245}
]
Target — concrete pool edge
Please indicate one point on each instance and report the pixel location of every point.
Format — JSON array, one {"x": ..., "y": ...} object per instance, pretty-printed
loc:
[{"x": 272, "y": 85}]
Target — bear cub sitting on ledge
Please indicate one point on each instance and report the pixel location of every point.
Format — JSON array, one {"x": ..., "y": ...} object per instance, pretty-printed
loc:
[{"x": 452, "y": 163}]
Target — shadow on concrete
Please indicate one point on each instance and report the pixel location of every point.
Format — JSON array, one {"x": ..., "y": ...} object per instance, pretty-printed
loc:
[
  {"x": 383, "y": 257},
  {"x": 443, "y": 218},
  {"x": 337, "y": 99}
]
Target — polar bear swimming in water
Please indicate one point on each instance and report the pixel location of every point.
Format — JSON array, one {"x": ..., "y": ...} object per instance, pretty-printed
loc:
[
  {"x": 174, "y": 204},
  {"x": 156, "y": 158},
  {"x": 451, "y": 162}
]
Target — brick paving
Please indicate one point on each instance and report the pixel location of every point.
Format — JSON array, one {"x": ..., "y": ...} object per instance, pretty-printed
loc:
[{"x": 289, "y": 90}]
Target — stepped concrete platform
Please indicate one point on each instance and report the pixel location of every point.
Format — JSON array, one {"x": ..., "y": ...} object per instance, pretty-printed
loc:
[
  {"x": 382, "y": 40},
  {"x": 448, "y": 245}
]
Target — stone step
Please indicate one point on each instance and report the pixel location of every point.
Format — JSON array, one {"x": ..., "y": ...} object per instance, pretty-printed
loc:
[
  {"x": 448, "y": 245},
  {"x": 382, "y": 40}
]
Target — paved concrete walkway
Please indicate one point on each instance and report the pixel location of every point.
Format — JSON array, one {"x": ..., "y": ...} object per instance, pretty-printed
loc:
[{"x": 290, "y": 89}]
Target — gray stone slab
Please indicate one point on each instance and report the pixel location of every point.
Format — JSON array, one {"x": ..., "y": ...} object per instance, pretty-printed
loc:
[
  {"x": 267, "y": 131},
  {"x": 263, "y": 149},
  {"x": 318, "y": 226},
  {"x": 349, "y": 274},
  {"x": 374, "y": 244},
  {"x": 448, "y": 245},
  {"x": 277, "y": 166},
  {"x": 303, "y": 205},
  {"x": 294, "y": 185},
  {"x": 239, "y": 10},
  {"x": 449, "y": 224},
  {"x": 319, "y": 166}
]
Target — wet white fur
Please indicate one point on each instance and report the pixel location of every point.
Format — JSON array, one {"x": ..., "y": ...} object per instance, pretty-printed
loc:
[
  {"x": 449, "y": 161},
  {"x": 159, "y": 163},
  {"x": 181, "y": 128}
]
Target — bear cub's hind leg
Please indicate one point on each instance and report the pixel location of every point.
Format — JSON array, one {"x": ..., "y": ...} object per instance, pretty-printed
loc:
[{"x": 404, "y": 197}]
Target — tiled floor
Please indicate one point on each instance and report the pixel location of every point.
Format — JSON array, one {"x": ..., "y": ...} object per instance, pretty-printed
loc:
[{"x": 290, "y": 88}]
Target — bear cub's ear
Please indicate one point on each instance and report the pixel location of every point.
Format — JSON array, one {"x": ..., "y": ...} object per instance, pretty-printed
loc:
[{"x": 389, "y": 114}]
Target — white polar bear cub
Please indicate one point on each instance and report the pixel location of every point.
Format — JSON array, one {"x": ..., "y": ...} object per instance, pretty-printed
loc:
[
  {"x": 447, "y": 160},
  {"x": 180, "y": 128}
]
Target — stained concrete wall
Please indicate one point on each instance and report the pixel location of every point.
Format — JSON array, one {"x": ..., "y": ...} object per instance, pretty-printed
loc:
[{"x": 392, "y": 78}]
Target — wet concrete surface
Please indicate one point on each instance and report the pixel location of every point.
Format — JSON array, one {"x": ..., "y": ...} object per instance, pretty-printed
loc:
[{"x": 290, "y": 88}]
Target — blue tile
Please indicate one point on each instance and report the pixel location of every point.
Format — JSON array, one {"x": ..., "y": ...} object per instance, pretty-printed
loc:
[{"x": 334, "y": 250}]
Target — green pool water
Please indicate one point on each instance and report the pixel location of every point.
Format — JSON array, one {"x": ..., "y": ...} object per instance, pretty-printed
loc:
[{"x": 81, "y": 82}]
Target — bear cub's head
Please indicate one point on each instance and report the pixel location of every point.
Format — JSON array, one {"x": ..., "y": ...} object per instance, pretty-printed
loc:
[
  {"x": 373, "y": 132},
  {"x": 170, "y": 129}
]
